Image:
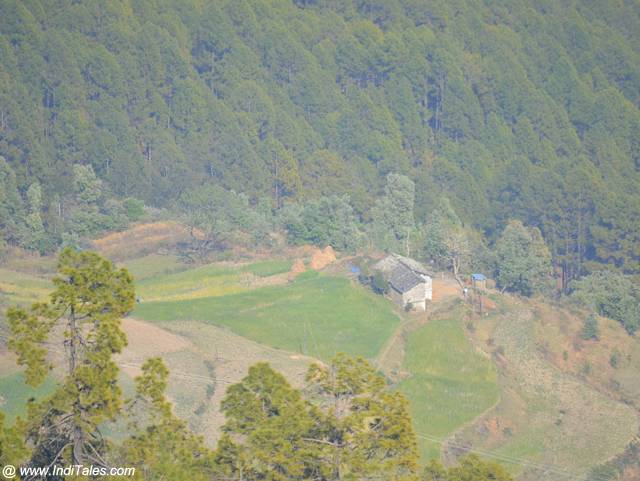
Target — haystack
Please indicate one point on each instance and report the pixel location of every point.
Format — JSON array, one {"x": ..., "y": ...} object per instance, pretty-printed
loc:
[
  {"x": 322, "y": 258},
  {"x": 298, "y": 267}
]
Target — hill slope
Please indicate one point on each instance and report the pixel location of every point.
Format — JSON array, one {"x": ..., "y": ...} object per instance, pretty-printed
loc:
[{"x": 514, "y": 109}]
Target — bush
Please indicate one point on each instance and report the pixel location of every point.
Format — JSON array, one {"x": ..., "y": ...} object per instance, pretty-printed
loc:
[
  {"x": 134, "y": 208},
  {"x": 610, "y": 294},
  {"x": 379, "y": 284},
  {"x": 613, "y": 360}
]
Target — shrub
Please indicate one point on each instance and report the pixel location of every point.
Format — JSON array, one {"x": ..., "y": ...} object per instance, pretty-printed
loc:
[{"x": 590, "y": 329}]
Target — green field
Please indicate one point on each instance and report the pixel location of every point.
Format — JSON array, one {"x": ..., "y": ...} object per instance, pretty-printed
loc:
[
  {"x": 450, "y": 383},
  {"x": 206, "y": 281},
  {"x": 21, "y": 288},
  {"x": 14, "y": 394},
  {"x": 316, "y": 315},
  {"x": 153, "y": 265}
]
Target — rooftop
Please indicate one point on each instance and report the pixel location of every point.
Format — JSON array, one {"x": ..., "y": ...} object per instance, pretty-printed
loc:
[{"x": 403, "y": 279}]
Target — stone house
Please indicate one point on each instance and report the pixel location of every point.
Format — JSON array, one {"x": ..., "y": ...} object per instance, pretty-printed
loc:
[{"x": 409, "y": 281}]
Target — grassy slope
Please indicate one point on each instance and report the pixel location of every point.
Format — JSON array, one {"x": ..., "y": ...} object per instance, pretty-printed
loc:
[
  {"x": 153, "y": 265},
  {"x": 14, "y": 394},
  {"x": 206, "y": 281},
  {"x": 545, "y": 415},
  {"x": 21, "y": 288},
  {"x": 317, "y": 314},
  {"x": 450, "y": 383}
]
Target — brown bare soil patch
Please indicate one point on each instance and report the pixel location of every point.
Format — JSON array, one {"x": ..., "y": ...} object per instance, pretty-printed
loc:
[
  {"x": 631, "y": 473},
  {"x": 611, "y": 363},
  {"x": 142, "y": 239},
  {"x": 146, "y": 340},
  {"x": 445, "y": 288}
]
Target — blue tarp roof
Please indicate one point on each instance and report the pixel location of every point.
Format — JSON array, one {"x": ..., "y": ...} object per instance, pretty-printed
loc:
[{"x": 478, "y": 277}]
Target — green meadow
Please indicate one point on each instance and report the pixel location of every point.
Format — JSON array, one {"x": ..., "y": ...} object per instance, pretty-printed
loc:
[
  {"x": 153, "y": 265},
  {"x": 207, "y": 281},
  {"x": 22, "y": 288},
  {"x": 317, "y": 315},
  {"x": 450, "y": 383},
  {"x": 14, "y": 394}
]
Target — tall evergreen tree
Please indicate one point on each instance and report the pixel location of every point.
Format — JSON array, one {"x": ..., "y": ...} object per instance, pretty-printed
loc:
[
  {"x": 523, "y": 260},
  {"x": 83, "y": 317}
]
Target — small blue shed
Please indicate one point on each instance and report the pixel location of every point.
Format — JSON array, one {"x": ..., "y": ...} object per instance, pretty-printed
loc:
[{"x": 479, "y": 281}]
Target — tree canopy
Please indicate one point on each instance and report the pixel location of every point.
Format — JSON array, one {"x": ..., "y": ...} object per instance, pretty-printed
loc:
[{"x": 529, "y": 111}]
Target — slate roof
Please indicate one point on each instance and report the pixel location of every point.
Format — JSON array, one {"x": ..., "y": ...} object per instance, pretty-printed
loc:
[
  {"x": 478, "y": 277},
  {"x": 403, "y": 279},
  {"x": 392, "y": 261}
]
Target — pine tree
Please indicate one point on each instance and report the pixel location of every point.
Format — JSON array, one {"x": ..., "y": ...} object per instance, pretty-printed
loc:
[
  {"x": 83, "y": 318},
  {"x": 269, "y": 429},
  {"x": 161, "y": 446},
  {"x": 12, "y": 448},
  {"x": 523, "y": 260},
  {"x": 471, "y": 468},
  {"x": 365, "y": 430}
]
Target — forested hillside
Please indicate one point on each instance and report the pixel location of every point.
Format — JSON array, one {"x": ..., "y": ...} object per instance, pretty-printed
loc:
[{"x": 511, "y": 109}]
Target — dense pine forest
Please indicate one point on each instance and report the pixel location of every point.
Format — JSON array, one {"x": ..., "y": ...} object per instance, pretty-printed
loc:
[{"x": 497, "y": 110}]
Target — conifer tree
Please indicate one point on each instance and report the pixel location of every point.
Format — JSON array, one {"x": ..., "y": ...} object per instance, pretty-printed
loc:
[
  {"x": 590, "y": 328},
  {"x": 269, "y": 429},
  {"x": 12, "y": 448},
  {"x": 366, "y": 431},
  {"x": 82, "y": 317},
  {"x": 471, "y": 468},
  {"x": 160, "y": 445}
]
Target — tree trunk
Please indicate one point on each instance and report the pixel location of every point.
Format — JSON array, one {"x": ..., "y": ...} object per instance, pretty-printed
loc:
[{"x": 77, "y": 434}]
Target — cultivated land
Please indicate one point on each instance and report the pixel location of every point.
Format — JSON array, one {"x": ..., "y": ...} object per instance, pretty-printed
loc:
[
  {"x": 449, "y": 383},
  {"x": 207, "y": 281},
  {"x": 518, "y": 385},
  {"x": 22, "y": 288},
  {"x": 316, "y": 314}
]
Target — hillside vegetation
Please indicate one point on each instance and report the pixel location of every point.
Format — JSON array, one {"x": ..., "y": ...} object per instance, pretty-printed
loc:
[{"x": 512, "y": 109}]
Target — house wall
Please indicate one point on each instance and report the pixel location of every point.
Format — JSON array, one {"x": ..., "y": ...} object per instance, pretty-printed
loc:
[
  {"x": 396, "y": 297},
  {"x": 417, "y": 297},
  {"x": 428, "y": 287},
  {"x": 480, "y": 284}
]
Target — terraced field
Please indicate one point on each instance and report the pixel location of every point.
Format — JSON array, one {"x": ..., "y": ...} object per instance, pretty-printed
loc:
[
  {"x": 21, "y": 288},
  {"x": 317, "y": 315},
  {"x": 14, "y": 394},
  {"x": 448, "y": 382},
  {"x": 505, "y": 388}
]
